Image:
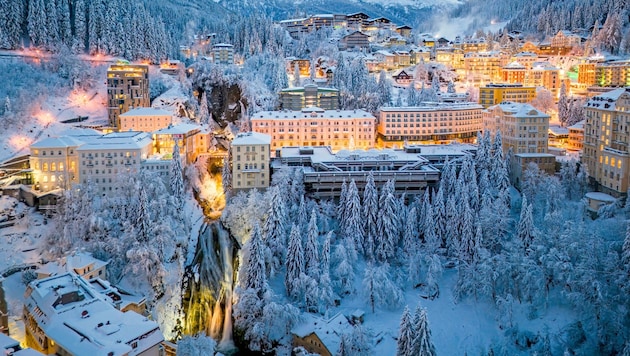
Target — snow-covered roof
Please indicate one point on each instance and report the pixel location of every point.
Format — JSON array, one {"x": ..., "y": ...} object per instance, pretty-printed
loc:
[
  {"x": 57, "y": 142},
  {"x": 433, "y": 106},
  {"x": 385, "y": 53},
  {"x": 578, "y": 125},
  {"x": 600, "y": 196},
  {"x": 312, "y": 112},
  {"x": 72, "y": 314},
  {"x": 80, "y": 132},
  {"x": 251, "y": 138},
  {"x": 534, "y": 155},
  {"x": 145, "y": 112},
  {"x": 328, "y": 331},
  {"x": 119, "y": 141},
  {"x": 558, "y": 130},
  {"x": 178, "y": 129},
  {"x": 520, "y": 110},
  {"x": 81, "y": 260},
  {"x": 605, "y": 101},
  {"x": 223, "y": 45},
  {"x": 515, "y": 65},
  {"x": 526, "y": 54}
]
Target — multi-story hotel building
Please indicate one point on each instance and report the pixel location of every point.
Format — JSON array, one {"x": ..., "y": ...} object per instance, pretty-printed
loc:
[
  {"x": 493, "y": 94},
  {"x": 104, "y": 159},
  {"x": 54, "y": 160},
  {"x": 482, "y": 67},
  {"x": 144, "y": 119},
  {"x": 513, "y": 73},
  {"x": 575, "y": 141},
  {"x": 613, "y": 74},
  {"x": 250, "y": 161},
  {"x": 192, "y": 140},
  {"x": 545, "y": 75},
  {"x": 65, "y": 315},
  {"x": 339, "y": 129},
  {"x": 309, "y": 95},
  {"x": 223, "y": 53},
  {"x": 606, "y": 140},
  {"x": 524, "y": 131},
  {"x": 127, "y": 88},
  {"x": 430, "y": 123},
  {"x": 523, "y": 128}
]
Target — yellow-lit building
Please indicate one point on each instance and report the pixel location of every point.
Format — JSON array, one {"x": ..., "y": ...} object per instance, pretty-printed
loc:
[
  {"x": 606, "y": 140},
  {"x": 493, "y": 94},
  {"x": 250, "y": 161},
  {"x": 545, "y": 75},
  {"x": 527, "y": 59},
  {"x": 431, "y": 123},
  {"x": 576, "y": 136},
  {"x": 54, "y": 160},
  {"x": 523, "y": 128},
  {"x": 192, "y": 140},
  {"x": 524, "y": 132},
  {"x": 144, "y": 119},
  {"x": 127, "y": 88},
  {"x": 513, "y": 73},
  {"x": 586, "y": 73},
  {"x": 613, "y": 74},
  {"x": 482, "y": 67},
  {"x": 312, "y": 126}
]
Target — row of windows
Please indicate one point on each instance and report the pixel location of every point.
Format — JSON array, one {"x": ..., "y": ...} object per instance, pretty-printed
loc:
[
  {"x": 435, "y": 114},
  {"x": 109, "y": 162},
  {"x": 54, "y": 166},
  {"x": 314, "y": 123},
  {"x": 109, "y": 154},
  {"x": 250, "y": 166},
  {"x": 442, "y": 124}
]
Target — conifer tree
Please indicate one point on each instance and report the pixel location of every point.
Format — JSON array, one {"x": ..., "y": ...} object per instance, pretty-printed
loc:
[
  {"x": 36, "y": 23},
  {"x": 422, "y": 344},
  {"x": 226, "y": 174},
  {"x": 387, "y": 224},
  {"x": 410, "y": 235},
  {"x": 80, "y": 26},
  {"x": 525, "y": 229},
  {"x": 143, "y": 219},
  {"x": 311, "y": 249},
  {"x": 177, "y": 178},
  {"x": 370, "y": 216},
  {"x": 295, "y": 264},
  {"x": 563, "y": 105},
  {"x": 405, "y": 335},
  {"x": 254, "y": 275},
  {"x": 274, "y": 228},
  {"x": 354, "y": 223}
]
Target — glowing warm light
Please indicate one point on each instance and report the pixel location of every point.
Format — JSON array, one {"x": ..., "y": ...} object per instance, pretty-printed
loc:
[
  {"x": 19, "y": 142},
  {"x": 44, "y": 117}
]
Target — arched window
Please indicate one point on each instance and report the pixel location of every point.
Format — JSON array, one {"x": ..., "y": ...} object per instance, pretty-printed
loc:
[
  {"x": 45, "y": 167},
  {"x": 53, "y": 166}
]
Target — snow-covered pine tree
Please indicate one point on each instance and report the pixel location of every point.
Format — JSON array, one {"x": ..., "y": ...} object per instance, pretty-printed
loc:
[
  {"x": 143, "y": 219},
  {"x": 387, "y": 224},
  {"x": 378, "y": 288},
  {"x": 295, "y": 264},
  {"x": 525, "y": 228},
  {"x": 405, "y": 335},
  {"x": 204, "y": 111},
  {"x": 384, "y": 89},
  {"x": 422, "y": 344},
  {"x": 468, "y": 247},
  {"x": 625, "y": 249},
  {"x": 435, "y": 83},
  {"x": 226, "y": 174},
  {"x": 63, "y": 15},
  {"x": 370, "y": 216},
  {"x": 563, "y": 105},
  {"x": 176, "y": 178},
  {"x": 410, "y": 235},
  {"x": 311, "y": 248},
  {"x": 254, "y": 275},
  {"x": 451, "y": 88},
  {"x": 11, "y": 16},
  {"x": 341, "y": 207},
  {"x": 353, "y": 216},
  {"x": 343, "y": 271},
  {"x": 80, "y": 26},
  {"x": 439, "y": 214},
  {"x": 274, "y": 229},
  {"x": 36, "y": 23}
]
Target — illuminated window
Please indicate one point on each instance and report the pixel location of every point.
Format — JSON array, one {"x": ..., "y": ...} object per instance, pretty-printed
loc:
[{"x": 45, "y": 167}]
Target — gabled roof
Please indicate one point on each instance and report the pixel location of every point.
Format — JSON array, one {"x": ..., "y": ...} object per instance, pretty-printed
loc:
[
  {"x": 328, "y": 331},
  {"x": 251, "y": 138},
  {"x": 145, "y": 112}
]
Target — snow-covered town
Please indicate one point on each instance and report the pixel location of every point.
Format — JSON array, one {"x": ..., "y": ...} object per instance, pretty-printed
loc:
[{"x": 347, "y": 178}]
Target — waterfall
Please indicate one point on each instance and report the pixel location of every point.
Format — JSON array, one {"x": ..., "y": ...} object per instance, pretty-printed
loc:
[{"x": 209, "y": 282}]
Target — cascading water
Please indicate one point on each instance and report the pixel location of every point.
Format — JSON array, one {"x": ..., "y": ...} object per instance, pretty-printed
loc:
[{"x": 208, "y": 284}]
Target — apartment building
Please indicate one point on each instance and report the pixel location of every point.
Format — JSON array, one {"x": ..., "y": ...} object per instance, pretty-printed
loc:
[
  {"x": 193, "y": 140},
  {"x": 356, "y": 40},
  {"x": 340, "y": 129},
  {"x": 127, "y": 88},
  {"x": 493, "y": 94},
  {"x": 513, "y": 73},
  {"x": 54, "y": 160},
  {"x": 144, "y": 119},
  {"x": 524, "y": 132},
  {"x": 606, "y": 140},
  {"x": 430, "y": 123},
  {"x": 309, "y": 95},
  {"x": 545, "y": 75},
  {"x": 104, "y": 159},
  {"x": 565, "y": 39},
  {"x": 223, "y": 53},
  {"x": 482, "y": 67},
  {"x": 250, "y": 161},
  {"x": 586, "y": 73},
  {"x": 65, "y": 315},
  {"x": 575, "y": 142},
  {"x": 523, "y": 128},
  {"x": 527, "y": 59},
  {"x": 613, "y": 74}
]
